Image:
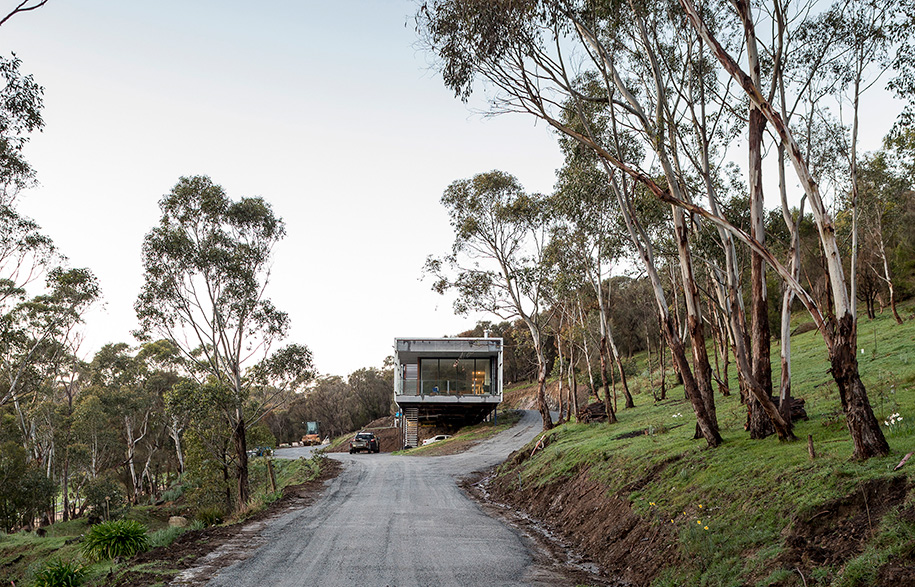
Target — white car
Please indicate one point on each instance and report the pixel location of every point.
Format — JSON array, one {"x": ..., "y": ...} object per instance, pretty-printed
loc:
[{"x": 436, "y": 439}]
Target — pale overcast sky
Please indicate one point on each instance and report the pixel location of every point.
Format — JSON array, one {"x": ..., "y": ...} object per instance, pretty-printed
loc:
[{"x": 326, "y": 109}]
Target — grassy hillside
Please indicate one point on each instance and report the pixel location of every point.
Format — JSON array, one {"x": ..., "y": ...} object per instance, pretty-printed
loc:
[{"x": 749, "y": 512}]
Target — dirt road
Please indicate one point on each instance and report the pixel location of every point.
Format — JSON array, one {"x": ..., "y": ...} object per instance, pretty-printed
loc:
[{"x": 397, "y": 521}]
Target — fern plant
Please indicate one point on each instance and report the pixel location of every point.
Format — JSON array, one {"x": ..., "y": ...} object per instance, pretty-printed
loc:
[{"x": 115, "y": 538}]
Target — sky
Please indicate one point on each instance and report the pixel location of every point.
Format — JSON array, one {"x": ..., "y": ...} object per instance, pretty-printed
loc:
[{"x": 327, "y": 110}]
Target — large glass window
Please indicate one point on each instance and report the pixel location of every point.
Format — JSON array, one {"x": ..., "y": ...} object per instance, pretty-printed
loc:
[
  {"x": 455, "y": 376},
  {"x": 409, "y": 379},
  {"x": 465, "y": 375},
  {"x": 448, "y": 374},
  {"x": 481, "y": 377},
  {"x": 429, "y": 379}
]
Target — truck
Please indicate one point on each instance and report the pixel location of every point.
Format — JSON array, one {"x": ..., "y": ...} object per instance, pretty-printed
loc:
[{"x": 312, "y": 436}]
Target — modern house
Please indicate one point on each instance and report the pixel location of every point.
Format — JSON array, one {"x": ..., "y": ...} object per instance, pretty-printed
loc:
[{"x": 450, "y": 382}]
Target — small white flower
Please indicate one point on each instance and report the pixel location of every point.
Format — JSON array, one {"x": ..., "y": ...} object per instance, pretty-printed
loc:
[{"x": 895, "y": 418}]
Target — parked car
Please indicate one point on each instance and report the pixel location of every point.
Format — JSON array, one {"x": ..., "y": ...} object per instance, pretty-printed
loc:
[
  {"x": 436, "y": 439},
  {"x": 260, "y": 451},
  {"x": 363, "y": 441}
]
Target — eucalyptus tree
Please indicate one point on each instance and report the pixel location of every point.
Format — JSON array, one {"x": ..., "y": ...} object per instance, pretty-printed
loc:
[
  {"x": 94, "y": 432},
  {"x": 522, "y": 51},
  {"x": 26, "y": 254},
  {"x": 208, "y": 449},
  {"x": 903, "y": 84},
  {"x": 568, "y": 295},
  {"x": 163, "y": 357},
  {"x": 497, "y": 259},
  {"x": 588, "y": 231},
  {"x": 370, "y": 395},
  {"x": 23, "y": 249},
  {"x": 204, "y": 409},
  {"x": 800, "y": 55},
  {"x": 840, "y": 332},
  {"x": 882, "y": 194},
  {"x": 71, "y": 379},
  {"x": 130, "y": 405},
  {"x": 45, "y": 372},
  {"x": 865, "y": 42},
  {"x": 687, "y": 133},
  {"x": 207, "y": 265},
  {"x": 756, "y": 123},
  {"x": 38, "y": 332},
  {"x": 20, "y": 115}
]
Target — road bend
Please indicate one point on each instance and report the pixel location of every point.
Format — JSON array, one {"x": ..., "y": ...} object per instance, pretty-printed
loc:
[{"x": 396, "y": 521}]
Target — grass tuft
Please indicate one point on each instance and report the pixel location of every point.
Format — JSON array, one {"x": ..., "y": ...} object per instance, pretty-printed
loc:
[
  {"x": 60, "y": 574},
  {"x": 116, "y": 538}
]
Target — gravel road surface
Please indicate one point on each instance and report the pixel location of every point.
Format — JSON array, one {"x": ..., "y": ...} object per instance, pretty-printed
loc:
[{"x": 397, "y": 521}]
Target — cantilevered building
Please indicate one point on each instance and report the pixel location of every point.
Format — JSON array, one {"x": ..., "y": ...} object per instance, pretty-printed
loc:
[{"x": 446, "y": 381}]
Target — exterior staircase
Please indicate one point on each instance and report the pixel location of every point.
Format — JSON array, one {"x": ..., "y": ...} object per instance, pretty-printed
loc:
[{"x": 410, "y": 427}]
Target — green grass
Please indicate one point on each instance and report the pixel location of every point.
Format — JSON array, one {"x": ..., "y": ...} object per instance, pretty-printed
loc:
[
  {"x": 287, "y": 472},
  {"x": 24, "y": 556},
  {"x": 747, "y": 491}
]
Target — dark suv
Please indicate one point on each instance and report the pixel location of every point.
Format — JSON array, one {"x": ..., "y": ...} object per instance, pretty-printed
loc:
[{"x": 363, "y": 441}]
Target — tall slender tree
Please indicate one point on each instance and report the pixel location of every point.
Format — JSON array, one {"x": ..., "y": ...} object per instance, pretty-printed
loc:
[
  {"x": 207, "y": 265},
  {"x": 841, "y": 333},
  {"x": 522, "y": 49},
  {"x": 496, "y": 263}
]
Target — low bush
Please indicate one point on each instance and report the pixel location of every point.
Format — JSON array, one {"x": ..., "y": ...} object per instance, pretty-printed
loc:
[
  {"x": 60, "y": 574},
  {"x": 210, "y": 516},
  {"x": 173, "y": 493},
  {"x": 165, "y": 536},
  {"x": 115, "y": 538}
]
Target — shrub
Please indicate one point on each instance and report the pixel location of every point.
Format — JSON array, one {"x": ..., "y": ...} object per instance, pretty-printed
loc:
[
  {"x": 25, "y": 490},
  {"x": 115, "y": 538},
  {"x": 210, "y": 516},
  {"x": 60, "y": 574},
  {"x": 166, "y": 536},
  {"x": 104, "y": 498},
  {"x": 173, "y": 493},
  {"x": 316, "y": 464}
]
